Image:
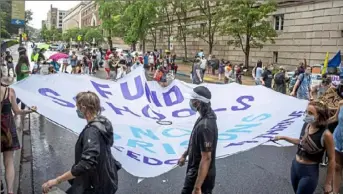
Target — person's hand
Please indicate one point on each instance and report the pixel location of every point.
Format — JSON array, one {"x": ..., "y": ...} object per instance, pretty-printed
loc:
[
  {"x": 48, "y": 185},
  {"x": 292, "y": 94},
  {"x": 263, "y": 84},
  {"x": 196, "y": 191},
  {"x": 181, "y": 161},
  {"x": 277, "y": 138},
  {"x": 33, "y": 108},
  {"x": 328, "y": 188}
]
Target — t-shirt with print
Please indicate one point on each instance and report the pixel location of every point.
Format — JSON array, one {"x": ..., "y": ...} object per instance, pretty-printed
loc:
[
  {"x": 303, "y": 90},
  {"x": 204, "y": 138},
  {"x": 267, "y": 77}
]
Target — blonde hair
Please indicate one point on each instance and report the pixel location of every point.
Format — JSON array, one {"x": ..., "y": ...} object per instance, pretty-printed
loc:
[{"x": 89, "y": 101}]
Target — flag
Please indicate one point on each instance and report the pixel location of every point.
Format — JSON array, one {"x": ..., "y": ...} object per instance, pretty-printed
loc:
[
  {"x": 325, "y": 63},
  {"x": 336, "y": 60}
]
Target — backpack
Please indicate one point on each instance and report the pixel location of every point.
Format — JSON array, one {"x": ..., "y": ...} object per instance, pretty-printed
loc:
[{"x": 279, "y": 78}]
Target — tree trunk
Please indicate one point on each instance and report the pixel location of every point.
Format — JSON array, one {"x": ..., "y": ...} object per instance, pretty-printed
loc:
[
  {"x": 185, "y": 47},
  {"x": 246, "y": 60},
  {"x": 133, "y": 46},
  {"x": 247, "y": 52},
  {"x": 143, "y": 45},
  {"x": 109, "y": 39}
]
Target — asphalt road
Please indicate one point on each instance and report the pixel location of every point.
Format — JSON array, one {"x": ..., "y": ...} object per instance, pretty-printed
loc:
[{"x": 262, "y": 170}]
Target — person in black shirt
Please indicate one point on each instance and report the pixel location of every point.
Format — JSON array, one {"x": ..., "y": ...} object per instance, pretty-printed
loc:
[
  {"x": 201, "y": 152},
  {"x": 267, "y": 76}
]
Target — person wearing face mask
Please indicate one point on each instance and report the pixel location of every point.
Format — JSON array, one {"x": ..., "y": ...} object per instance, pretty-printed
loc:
[
  {"x": 201, "y": 151},
  {"x": 314, "y": 140},
  {"x": 95, "y": 169},
  {"x": 302, "y": 87}
]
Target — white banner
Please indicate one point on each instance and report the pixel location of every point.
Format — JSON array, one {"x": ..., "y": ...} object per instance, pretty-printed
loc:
[{"x": 247, "y": 115}]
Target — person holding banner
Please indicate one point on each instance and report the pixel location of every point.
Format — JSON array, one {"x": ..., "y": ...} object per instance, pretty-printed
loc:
[
  {"x": 201, "y": 152},
  {"x": 314, "y": 140},
  {"x": 95, "y": 169}
]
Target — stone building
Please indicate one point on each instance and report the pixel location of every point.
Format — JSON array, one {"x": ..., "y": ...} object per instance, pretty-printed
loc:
[
  {"x": 90, "y": 15},
  {"x": 55, "y": 18},
  {"x": 73, "y": 17},
  {"x": 306, "y": 29}
]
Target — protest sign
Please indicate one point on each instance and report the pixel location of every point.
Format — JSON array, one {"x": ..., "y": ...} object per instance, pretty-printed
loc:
[{"x": 152, "y": 124}]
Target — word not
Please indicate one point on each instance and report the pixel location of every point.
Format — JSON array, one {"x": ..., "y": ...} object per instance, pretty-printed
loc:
[
  {"x": 146, "y": 111},
  {"x": 274, "y": 130},
  {"x": 146, "y": 160}
]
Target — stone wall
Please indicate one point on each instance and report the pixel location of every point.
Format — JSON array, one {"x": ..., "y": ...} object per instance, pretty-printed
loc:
[{"x": 310, "y": 30}]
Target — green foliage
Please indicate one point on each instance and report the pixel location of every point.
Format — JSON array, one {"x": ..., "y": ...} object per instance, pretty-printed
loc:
[
  {"x": 212, "y": 14},
  {"x": 247, "y": 22},
  {"x": 93, "y": 34},
  {"x": 50, "y": 35},
  {"x": 28, "y": 16}
]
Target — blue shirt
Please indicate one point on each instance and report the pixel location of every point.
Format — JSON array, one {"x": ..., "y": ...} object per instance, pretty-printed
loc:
[
  {"x": 56, "y": 66},
  {"x": 72, "y": 61},
  {"x": 303, "y": 91},
  {"x": 146, "y": 59}
]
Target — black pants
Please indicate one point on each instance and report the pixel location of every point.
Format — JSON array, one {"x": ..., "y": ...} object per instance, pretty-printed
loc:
[
  {"x": 22, "y": 106},
  {"x": 304, "y": 177},
  {"x": 190, "y": 179}
]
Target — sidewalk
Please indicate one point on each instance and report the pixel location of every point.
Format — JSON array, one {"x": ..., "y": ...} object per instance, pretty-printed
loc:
[{"x": 184, "y": 70}]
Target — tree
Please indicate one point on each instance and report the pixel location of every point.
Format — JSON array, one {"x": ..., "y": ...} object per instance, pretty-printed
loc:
[
  {"x": 93, "y": 35},
  {"x": 139, "y": 16},
  {"x": 181, "y": 8},
  {"x": 165, "y": 18},
  {"x": 28, "y": 16},
  {"x": 211, "y": 13},
  {"x": 247, "y": 23}
]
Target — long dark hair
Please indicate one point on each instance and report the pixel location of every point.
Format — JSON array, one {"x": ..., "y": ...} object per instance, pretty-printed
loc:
[
  {"x": 23, "y": 59},
  {"x": 259, "y": 64}
]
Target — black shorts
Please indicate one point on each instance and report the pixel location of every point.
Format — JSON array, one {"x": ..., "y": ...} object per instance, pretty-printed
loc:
[{"x": 190, "y": 179}]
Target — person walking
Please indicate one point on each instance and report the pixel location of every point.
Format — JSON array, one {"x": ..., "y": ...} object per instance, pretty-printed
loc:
[
  {"x": 73, "y": 61},
  {"x": 314, "y": 140},
  {"x": 267, "y": 76},
  {"x": 95, "y": 170},
  {"x": 302, "y": 88},
  {"x": 22, "y": 69},
  {"x": 201, "y": 151},
  {"x": 280, "y": 80},
  {"x": 9, "y": 136},
  {"x": 257, "y": 73},
  {"x": 196, "y": 72}
]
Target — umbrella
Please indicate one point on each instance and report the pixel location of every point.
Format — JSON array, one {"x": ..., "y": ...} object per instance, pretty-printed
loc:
[
  {"x": 58, "y": 56},
  {"x": 7, "y": 43},
  {"x": 43, "y": 46}
]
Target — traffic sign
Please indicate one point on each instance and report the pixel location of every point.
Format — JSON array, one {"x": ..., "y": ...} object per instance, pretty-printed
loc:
[
  {"x": 18, "y": 13},
  {"x": 17, "y": 22}
]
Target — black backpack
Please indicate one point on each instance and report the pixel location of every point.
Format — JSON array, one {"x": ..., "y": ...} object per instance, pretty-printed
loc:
[{"x": 279, "y": 78}]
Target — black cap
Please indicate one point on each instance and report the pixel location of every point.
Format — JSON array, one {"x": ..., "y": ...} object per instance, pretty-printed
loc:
[{"x": 203, "y": 91}]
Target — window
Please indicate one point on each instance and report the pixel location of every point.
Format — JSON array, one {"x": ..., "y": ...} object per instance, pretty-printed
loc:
[
  {"x": 60, "y": 17},
  {"x": 278, "y": 22},
  {"x": 203, "y": 28},
  {"x": 275, "y": 56}
]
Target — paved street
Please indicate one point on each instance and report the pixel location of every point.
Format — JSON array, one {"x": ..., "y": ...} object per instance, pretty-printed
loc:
[{"x": 264, "y": 169}]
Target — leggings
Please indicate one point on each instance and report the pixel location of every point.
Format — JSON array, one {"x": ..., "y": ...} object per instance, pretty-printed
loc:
[{"x": 304, "y": 177}]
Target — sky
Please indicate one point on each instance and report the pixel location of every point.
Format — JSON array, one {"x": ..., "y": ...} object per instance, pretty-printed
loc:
[{"x": 41, "y": 8}]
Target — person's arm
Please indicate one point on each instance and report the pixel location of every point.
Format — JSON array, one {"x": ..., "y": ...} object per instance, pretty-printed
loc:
[
  {"x": 205, "y": 138},
  {"x": 263, "y": 77},
  {"x": 297, "y": 83},
  {"x": 291, "y": 140},
  {"x": 15, "y": 106},
  {"x": 330, "y": 149},
  {"x": 309, "y": 90},
  {"x": 90, "y": 152},
  {"x": 198, "y": 74}
]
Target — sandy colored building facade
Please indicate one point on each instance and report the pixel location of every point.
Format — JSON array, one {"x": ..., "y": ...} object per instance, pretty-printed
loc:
[{"x": 306, "y": 29}]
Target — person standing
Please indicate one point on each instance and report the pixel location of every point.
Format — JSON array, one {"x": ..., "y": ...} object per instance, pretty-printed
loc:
[
  {"x": 302, "y": 88},
  {"x": 196, "y": 72},
  {"x": 267, "y": 76},
  {"x": 257, "y": 73},
  {"x": 73, "y": 60},
  {"x": 22, "y": 69},
  {"x": 203, "y": 66},
  {"x": 146, "y": 62},
  {"x": 314, "y": 140},
  {"x": 9, "y": 136},
  {"x": 201, "y": 151},
  {"x": 95, "y": 169},
  {"x": 152, "y": 61},
  {"x": 280, "y": 80}
]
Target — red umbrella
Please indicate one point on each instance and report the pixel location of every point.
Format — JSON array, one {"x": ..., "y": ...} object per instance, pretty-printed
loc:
[{"x": 58, "y": 56}]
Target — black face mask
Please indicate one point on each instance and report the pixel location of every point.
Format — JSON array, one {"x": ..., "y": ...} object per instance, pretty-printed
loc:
[{"x": 4, "y": 85}]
